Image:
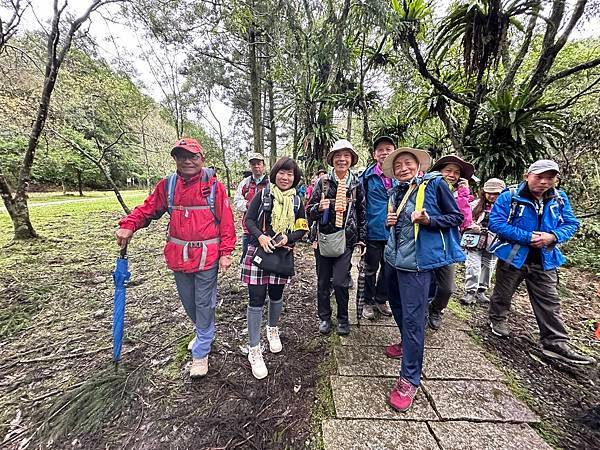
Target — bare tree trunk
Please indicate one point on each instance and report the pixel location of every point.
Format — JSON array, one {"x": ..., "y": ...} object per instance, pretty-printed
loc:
[
  {"x": 79, "y": 183},
  {"x": 273, "y": 125},
  {"x": 349, "y": 125},
  {"x": 147, "y": 162},
  {"x": 222, "y": 144},
  {"x": 17, "y": 204},
  {"x": 295, "y": 137},
  {"x": 255, "y": 90},
  {"x": 99, "y": 165}
]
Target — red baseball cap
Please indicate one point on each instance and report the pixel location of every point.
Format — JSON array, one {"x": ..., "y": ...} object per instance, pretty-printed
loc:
[{"x": 189, "y": 145}]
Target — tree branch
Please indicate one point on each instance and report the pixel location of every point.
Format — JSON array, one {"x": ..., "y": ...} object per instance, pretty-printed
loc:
[
  {"x": 567, "y": 72},
  {"x": 520, "y": 57},
  {"x": 422, "y": 68}
]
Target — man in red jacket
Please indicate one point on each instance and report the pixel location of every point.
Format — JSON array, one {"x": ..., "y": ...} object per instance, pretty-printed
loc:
[{"x": 200, "y": 240}]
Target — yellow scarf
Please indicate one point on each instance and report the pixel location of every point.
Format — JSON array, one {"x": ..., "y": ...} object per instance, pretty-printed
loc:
[{"x": 282, "y": 216}]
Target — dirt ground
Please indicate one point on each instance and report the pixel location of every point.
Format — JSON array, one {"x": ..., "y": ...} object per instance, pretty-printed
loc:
[
  {"x": 566, "y": 398},
  {"x": 58, "y": 387}
]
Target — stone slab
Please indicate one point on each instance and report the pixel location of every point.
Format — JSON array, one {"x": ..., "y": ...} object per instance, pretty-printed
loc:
[
  {"x": 365, "y": 361},
  {"x": 487, "y": 436},
  {"x": 449, "y": 339},
  {"x": 366, "y": 398},
  {"x": 381, "y": 320},
  {"x": 376, "y": 435},
  {"x": 452, "y": 364},
  {"x": 477, "y": 400},
  {"x": 372, "y": 336}
]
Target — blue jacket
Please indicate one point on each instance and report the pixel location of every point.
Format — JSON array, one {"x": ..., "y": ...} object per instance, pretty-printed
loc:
[
  {"x": 437, "y": 244},
  {"x": 514, "y": 237},
  {"x": 376, "y": 197}
]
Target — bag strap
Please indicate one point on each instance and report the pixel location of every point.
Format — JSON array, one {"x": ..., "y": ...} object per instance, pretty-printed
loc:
[
  {"x": 171, "y": 181},
  {"x": 420, "y": 201}
]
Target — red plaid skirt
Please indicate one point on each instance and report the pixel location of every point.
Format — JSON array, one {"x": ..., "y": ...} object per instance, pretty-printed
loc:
[{"x": 252, "y": 274}]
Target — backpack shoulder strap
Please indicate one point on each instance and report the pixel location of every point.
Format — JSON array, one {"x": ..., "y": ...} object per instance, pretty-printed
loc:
[
  {"x": 514, "y": 204},
  {"x": 171, "y": 181},
  {"x": 207, "y": 176},
  {"x": 419, "y": 202},
  {"x": 297, "y": 203}
]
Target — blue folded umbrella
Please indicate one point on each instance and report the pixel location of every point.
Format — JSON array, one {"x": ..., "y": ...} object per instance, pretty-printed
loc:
[{"x": 121, "y": 276}]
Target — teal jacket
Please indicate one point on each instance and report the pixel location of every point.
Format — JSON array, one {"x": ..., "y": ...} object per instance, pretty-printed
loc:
[{"x": 437, "y": 244}]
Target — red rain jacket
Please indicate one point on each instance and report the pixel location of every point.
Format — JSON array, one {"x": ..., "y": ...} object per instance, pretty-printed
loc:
[{"x": 189, "y": 225}]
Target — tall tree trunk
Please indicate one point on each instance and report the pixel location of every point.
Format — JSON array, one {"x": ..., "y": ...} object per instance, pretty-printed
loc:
[
  {"x": 272, "y": 124},
  {"x": 79, "y": 183},
  {"x": 349, "y": 125},
  {"x": 255, "y": 90},
  {"x": 16, "y": 204},
  {"x": 146, "y": 160},
  {"x": 295, "y": 137}
]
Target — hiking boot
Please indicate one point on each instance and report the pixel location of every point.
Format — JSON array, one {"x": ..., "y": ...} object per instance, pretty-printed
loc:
[
  {"x": 394, "y": 351},
  {"x": 500, "y": 329},
  {"x": 191, "y": 344},
  {"x": 435, "y": 319},
  {"x": 469, "y": 298},
  {"x": 273, "y": 338},
  {"x": 325, "y": 327},
  {"x": 368, "y": 312},
  {"x": 343, "y": 329},
  {"x": 403, "y": 394},
  {"x": 259, "y": 369},
  {"x": 384, "y": 309},
  {"x": 563, "y": 352},
  {"x": 199, "y": 367},
  {"x": 481, "y": 297}
]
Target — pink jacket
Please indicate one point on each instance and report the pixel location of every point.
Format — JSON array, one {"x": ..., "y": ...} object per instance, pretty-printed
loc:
[{"x": 463, "y": 198}]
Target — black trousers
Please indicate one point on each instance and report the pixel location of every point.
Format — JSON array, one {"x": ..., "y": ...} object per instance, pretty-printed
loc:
[
  {"x": 336, "y": 270},
  {"x": 374, "y": 277},
  {"x": 543, "y": 295},
  {"x": 445, "y": 286},
  {"x": 258, "y": 293}
]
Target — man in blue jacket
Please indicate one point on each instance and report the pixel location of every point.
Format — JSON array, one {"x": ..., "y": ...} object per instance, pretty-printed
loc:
[
  {"x": 376, "y": 186},
  {"x": 530, "y": 221}
]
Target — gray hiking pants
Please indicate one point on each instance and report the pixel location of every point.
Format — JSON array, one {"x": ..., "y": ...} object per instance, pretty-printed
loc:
[
  {"x": 479, "y": 268},
  {"x": 543, "y": 295},
  {"x": 198, "y": 295}
]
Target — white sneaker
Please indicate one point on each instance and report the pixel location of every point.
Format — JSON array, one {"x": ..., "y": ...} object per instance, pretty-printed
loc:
[
  {"x": 273, "y": 338},
  {"x": 199, "y": 367},
  {"x": 191, "y": 344},
  {"x": 259, "y": 369}
]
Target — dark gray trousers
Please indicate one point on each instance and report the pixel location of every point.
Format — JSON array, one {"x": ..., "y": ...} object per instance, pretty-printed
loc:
[
  {"x": 445, "y": 286},
  {"x": 543, "y": 295},
  {"x": 374, "y": 277},
  {"x": 334, "y": 270}
]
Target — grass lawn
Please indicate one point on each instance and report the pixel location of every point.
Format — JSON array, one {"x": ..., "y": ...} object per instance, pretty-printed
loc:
[{"x": 58, "y": 382}]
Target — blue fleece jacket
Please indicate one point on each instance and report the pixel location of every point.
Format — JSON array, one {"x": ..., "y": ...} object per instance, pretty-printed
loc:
[
  {"x": 376, "y": 201},
  {"x": 515, "y": 235}
]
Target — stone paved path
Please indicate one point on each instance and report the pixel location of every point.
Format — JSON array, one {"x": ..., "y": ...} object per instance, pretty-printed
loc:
[{"x": 464, "y": 402}]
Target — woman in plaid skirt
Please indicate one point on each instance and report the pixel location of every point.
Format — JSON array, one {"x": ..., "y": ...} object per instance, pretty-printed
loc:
[{"x": 276, "y": 218}]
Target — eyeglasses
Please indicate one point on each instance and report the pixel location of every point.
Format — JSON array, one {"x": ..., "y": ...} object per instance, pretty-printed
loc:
[{"x": 190, "y": 156}]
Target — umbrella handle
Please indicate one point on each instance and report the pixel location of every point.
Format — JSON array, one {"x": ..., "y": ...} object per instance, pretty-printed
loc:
[{"x": 123, "y": 252}]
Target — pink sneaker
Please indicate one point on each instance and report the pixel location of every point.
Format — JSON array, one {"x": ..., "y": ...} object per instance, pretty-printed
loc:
[
  {"x": 394, "y": 351},
  {"x": 403, "y": 394}
]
